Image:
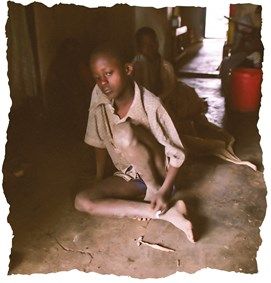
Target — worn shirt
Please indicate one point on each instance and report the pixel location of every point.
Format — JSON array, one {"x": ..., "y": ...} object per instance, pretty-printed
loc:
[{"x": 147, "y": 110}]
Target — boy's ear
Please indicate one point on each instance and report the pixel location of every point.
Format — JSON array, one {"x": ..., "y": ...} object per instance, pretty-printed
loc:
[{"x": 129, "y": 69}]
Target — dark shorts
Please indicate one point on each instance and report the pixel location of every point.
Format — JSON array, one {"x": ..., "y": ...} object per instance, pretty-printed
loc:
[
  {"x": 130, "y": 175},
  {"x": 143, "y": 188}
]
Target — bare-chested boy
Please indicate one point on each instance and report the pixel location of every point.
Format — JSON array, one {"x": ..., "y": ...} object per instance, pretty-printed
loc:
[{"x": 130, "y": 123}]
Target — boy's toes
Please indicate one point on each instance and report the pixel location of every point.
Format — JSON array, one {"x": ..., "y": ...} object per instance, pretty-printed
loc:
[{"x": 141, "y": 219}]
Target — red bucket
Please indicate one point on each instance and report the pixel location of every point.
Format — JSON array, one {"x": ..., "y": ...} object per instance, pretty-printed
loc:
[{"x": 245, "y": 95}]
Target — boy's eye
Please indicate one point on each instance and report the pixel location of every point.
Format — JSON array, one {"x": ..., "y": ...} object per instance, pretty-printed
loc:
[{"x": 108, "y": 74}]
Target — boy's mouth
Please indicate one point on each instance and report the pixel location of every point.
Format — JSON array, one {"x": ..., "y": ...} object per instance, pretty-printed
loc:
[{"x": 107, "y": 91}]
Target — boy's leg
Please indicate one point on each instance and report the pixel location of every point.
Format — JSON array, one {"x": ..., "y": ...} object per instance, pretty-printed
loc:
[{"x": 114, "y": 197}]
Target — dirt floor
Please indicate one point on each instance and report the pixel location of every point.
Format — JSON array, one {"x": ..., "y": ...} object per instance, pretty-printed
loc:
[{"x": 226, "y": 204}]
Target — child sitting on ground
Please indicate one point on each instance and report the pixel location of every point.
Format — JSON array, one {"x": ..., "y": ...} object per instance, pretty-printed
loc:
[
  {"x": 130, "y": 123},
  {"x": 186, "y": 108}
]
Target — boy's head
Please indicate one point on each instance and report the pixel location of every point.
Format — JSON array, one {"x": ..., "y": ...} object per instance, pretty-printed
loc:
[
  {"x": 110, "y": 71},
  {"x": 147, "y": 42}
]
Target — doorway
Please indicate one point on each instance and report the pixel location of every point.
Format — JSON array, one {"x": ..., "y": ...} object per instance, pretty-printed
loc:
[{"x": 216, "y": 24}]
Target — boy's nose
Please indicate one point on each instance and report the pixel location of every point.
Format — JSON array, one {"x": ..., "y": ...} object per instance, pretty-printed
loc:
[{"x": 104, "y": 80}]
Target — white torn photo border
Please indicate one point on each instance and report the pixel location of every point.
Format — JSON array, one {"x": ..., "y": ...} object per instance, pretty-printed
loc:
[{"x": 263, "y": 257}]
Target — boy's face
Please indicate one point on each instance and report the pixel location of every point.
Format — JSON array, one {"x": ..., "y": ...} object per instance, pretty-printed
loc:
[
  {"x": 110, "y": 75},
  {"x": 149, "y": 46}
]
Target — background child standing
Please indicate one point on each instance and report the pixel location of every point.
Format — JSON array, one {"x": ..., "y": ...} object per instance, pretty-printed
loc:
[{"x": 187, "y": 109}]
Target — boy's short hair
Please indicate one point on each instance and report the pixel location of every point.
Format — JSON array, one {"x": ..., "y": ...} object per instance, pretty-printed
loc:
[
  {"x": 110, "y": 49},
  {"x": 144, "y": 31}
]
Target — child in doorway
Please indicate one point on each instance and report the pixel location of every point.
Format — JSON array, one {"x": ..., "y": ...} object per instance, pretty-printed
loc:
[
  {"x": 130, "y": 123},
  {"x": 157, "y": 75},
  {"x": 187, "y": 109}
]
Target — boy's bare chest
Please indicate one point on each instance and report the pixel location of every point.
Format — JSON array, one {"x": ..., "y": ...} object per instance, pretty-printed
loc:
[{"x": 123, "y": 110}]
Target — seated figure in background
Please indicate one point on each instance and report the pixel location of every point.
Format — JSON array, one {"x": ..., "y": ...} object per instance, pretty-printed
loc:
[{"x": 186, "y": 108}]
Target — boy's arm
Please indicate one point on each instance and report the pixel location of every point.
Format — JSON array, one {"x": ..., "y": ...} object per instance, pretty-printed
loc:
[
  {"x": 167, "y": 135},
  {"x": 169, "y": 80},
  {"x": 101, "y": 157},
  {"x": 162, "y": 197}
]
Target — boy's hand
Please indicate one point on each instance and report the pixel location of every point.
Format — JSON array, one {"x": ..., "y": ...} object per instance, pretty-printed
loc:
[{"x": 159, "y": 202}]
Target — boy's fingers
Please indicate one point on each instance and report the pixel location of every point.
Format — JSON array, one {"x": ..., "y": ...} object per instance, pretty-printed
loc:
[
  {"x": 161, "y": 207},
  {"x": 158, "y": 206},
  {"x": 164, "y": 210}
]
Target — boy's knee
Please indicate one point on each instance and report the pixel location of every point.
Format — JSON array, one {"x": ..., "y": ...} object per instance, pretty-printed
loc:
[
  {"x": 124, "y": 135},
  {"x": 82, "y": 202}
]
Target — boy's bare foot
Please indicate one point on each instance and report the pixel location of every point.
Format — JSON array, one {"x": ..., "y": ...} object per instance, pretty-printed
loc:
[{"x": 176, "y": 216}]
